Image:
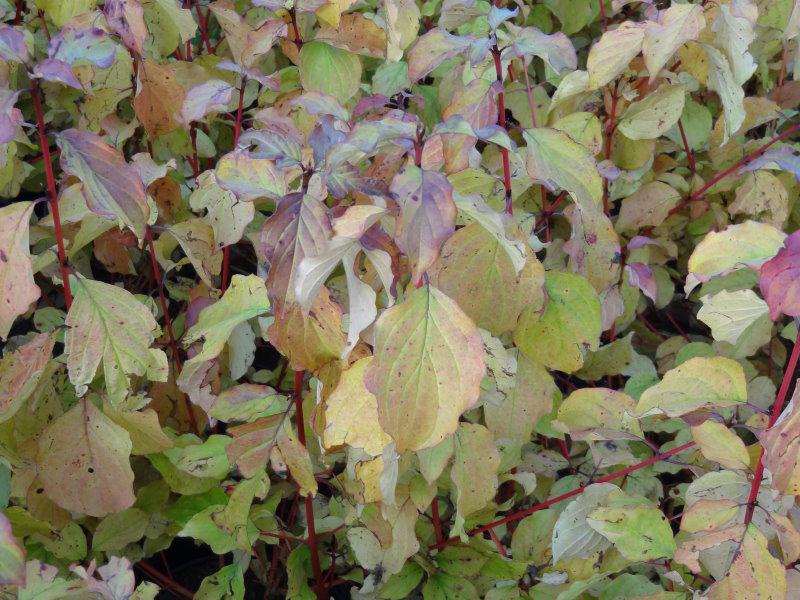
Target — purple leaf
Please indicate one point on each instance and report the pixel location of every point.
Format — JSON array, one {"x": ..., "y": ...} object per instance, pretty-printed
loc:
[
  {"x": 780, "y": 279},
  {"x": 641, "y": 276},
  {"x": 213, "y": 95},
  {"x": 432, "y": 49},
  {"x": 112, "y": 188},
  {"x": 90, "y": 44},
  {"x": 10, "y": 117},
  {"x": 56, "y": 71},
  {"x": 126, "y": 19},
  {"x": 782, "y": 159},
  {"x": 12, "y": 44}
]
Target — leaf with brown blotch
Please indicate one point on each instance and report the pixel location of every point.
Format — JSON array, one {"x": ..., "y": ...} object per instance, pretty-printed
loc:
[
  {"x": 429, "y": 362},
  {"x": 427, "y": 216},
  {"x": 159, "y": 99},
  {"x": 112, "y": 188},
  {"x": 84, "y": 462},
  {"x": 781, "y": 444},
  {"x": 17, "y": 289}
]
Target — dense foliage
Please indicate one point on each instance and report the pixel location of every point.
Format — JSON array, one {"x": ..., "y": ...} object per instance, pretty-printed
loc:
[{"x": 397, "y": 299}]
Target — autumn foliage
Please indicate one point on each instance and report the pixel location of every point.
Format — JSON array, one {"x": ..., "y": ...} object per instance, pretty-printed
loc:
[{"x": 399, "y": 299}]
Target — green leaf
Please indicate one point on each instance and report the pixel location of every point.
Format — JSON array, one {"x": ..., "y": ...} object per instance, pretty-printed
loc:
[
  {"x": 108, "y": 324},
  {"x": 655, "y": 115},
  {"x": 639, "y": 530},
  {"x": 557, "y": 162},
  {"x": 329, "y": 70},
  {"x": 570, "y": 324},
  {"x": 225, "y": 584},
  {"x": 474, "y": 473},
  {"x": 120, "y": 529},
  {"x": 12, "y": 556},
  {"x": 698, "y": 383},
  {"x": 245, "y": 299}
]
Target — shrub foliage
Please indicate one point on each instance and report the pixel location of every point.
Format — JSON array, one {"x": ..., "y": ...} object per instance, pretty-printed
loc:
[{"x": 398, "y": 299}]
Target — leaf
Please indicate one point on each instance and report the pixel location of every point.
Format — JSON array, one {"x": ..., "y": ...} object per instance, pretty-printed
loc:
[
  {"x": 720, "y": 444},
  {"x": 427, "y": 216},
  {"x": 530, "y": 399},
  {"x": 489, "y": 290},
  {"x": 355, "y": 33},
  {"x": 111, "y": 187},
  {"x": 572, "y": 535},
  {"x": 570, "y": 324},
  {"x": 227, "y": 583},
  {"x": 639, "y": 530},
  {"x": 652, "y": 117},
  {"x": 402, "y": 25},
  {"x": 126, "y": 19},
  {"x": 722, "y": 81},
  {"x": 754, "y": 574},
  {"x": 593, "y": 247},
  {"x": 748, "y": 244},
  {"x": 107, "y": 324},
  {"x": 677, "y": 25},
  {"x": 84, "y": 462},
  {"x": 351, "y": 413},
  {"x": 297, "y": 459},
  {"x": 697, "y": 383},
  {"x": 555, "y": 50},
  {"x": 169, "y": 25},
  {"x": 598, "y": 414},
  {"x": 432, "y": 49},
  {"x": 159, "y": 99},
  {"x": 612, "y": 54},
  {"x": 227, "y": 216},
  {"x": 779, "y": 281},
  {"x": 425, "y": 379},
  {"x": 12, "y": 556},
  {"x": 735, "y": 31},
  {"x": 557, "y": 162},
  {"x": 20, "y": 372},
  {"x": 249, "y": 178},
  {"x": 245, "y": 299},
  {"x": 310, "y": 341},
  {"x": 299, "y": 227},
  {"x": 117, "y": 530},
  {"x": 649, "y": 206},
  {"x": 474, "y": 474},
  {"x": 781, "y": 444},
  {"x": 16, "y": 274},
  {"x": 730, "y": 314},
  {"x": 329, "y": 70}
]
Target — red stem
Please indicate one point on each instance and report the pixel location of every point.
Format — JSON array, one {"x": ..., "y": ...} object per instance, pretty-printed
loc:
[
  {"x": 780, "y": 400},
  {"x": 437, "y": 522},
  {"x": 498, "y": 543},
  {"x": 689, "y": 154},
  {"x": 203, "y": 22},
  {"x": 575, "y": 492},
  {"x": 298, "y": 41},
  {"x": 701, "y": 192},
  {"x": 501, "y": 120},
  {"x": 20, "y": 10},
  {"x": 609, "y": 132},
  {"x": 51, "y": 189},
  {"x": 603, "y": 19},
  {"x": 311, "y": 541}
]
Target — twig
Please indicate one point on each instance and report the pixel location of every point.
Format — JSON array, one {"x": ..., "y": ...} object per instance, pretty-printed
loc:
[
  {"x": 689, "y": 154},
  {"x": 51, "y": 189},
  {"x": 501, "y": 120}
]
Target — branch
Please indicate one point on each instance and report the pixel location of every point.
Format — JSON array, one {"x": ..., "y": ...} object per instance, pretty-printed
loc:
[
  {"x": 575, "y": 492},
  {"x": 501, "y": 120},
  {"x": 780, "y": 400},
  {"x": 51, "y": 190}
]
